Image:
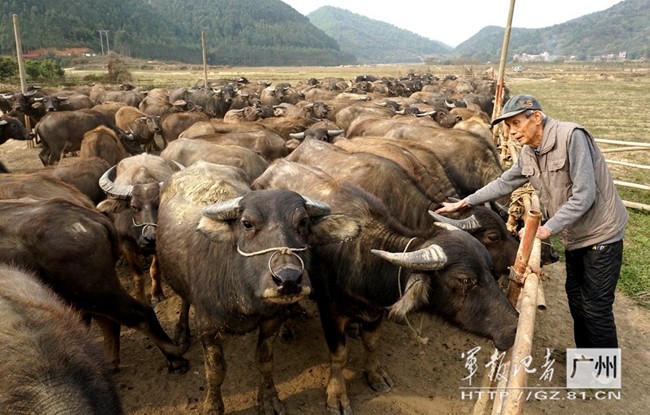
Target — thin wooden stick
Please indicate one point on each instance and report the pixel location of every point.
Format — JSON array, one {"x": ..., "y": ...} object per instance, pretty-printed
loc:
[{"x": 624, "y": 163}]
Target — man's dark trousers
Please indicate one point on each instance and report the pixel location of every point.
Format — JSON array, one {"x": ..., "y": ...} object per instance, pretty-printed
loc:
[{"x": 592, "y": 274}]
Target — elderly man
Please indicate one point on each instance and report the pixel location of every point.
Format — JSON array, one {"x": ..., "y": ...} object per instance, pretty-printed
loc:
[{"x": 569, "y": 173}]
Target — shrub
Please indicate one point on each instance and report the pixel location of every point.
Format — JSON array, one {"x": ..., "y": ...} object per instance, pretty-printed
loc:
[
  {"x": 117, "y": 70},
  {"x": 8, "y": 67},
  {"x": 44, "y": 69}
]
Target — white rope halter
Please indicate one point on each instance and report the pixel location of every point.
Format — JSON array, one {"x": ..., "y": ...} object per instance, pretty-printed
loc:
[{"x": 284, "y": 250}]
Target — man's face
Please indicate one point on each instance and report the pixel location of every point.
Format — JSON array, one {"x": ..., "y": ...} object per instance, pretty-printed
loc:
[{"x": 526, "y": 130}]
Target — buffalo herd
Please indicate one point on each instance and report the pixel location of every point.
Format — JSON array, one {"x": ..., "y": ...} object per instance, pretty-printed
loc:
[{"x": 245, "y": 199}]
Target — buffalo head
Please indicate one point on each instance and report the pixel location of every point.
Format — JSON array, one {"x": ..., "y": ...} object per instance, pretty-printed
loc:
[
  {"x": 450, "y": 276},
  {"x": 272, "y": 231}
]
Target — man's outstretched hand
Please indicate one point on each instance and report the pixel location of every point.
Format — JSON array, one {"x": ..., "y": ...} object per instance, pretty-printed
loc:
[{"x": 451, "y": 207}]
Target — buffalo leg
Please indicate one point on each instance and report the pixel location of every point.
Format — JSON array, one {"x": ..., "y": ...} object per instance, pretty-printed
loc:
[
  {"x": 267, "y": 394},
  {"x": 111, "y": 333},
  {"x": 133, "y": 313},
  {"x": 377, "y": 377},
  {"x": 135, "y": 263},
  {"x": 156, "y": 288},
  {"x": 182, "y": 331},
  {"x": 338, "y": 402},
  {"x": 215, "y": 368},
  {"x": 44, "y": 155}
]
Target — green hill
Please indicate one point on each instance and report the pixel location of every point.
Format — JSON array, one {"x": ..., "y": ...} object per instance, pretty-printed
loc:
[
  {"x": 372, "y": 41},
  {"x": 242, "y": 32},
  {"x": 271, "y": 33},
  {"x": 624, "y": 27}
]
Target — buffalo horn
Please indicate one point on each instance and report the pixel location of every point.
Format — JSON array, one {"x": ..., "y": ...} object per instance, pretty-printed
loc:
[
  {"x": 226, "y": 210},
  {"x": 115, "y": 190},
  {"x": 467, "y": 224},
  {"x": 297, "y": 136},
  {"x": 430, "y": 258},
  {"x": 3, "y": 122},
  {"x": 7, "y": 96},
  {"x": 62, "y": 98},
  {"x": 445, "y": 225},
  {"x": 180, "y": 166},
  {"x": 426, "y": 114},
  {"x": 334, "y": 133},
  {"x": 501, "y": 209},
  {"x": 39, "y": 99},
  {"x": 30, "y": 94},
  {"x": 316, "y": 207}
]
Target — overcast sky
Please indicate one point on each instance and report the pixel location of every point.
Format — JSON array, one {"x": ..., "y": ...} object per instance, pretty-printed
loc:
[{"x": 453, "y": 22}]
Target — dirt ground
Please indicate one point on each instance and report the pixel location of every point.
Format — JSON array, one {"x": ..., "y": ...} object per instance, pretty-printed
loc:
[{"x": 427, "y": 378}]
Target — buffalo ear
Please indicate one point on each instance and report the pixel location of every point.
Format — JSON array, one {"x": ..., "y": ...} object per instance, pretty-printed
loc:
[
  {"x": 416, "y": 295},
  {"x": 333, "y": 228},
  {"x": 216, "y": 230},
  {"x": 112, "y": 206}
]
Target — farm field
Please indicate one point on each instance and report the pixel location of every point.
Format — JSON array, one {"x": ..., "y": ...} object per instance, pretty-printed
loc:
[{"x": 610, "y": 101}]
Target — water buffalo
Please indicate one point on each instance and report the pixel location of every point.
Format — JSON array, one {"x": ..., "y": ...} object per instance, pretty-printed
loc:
[
  {"x": 144, "y": 127},
  {"x": 109, "y": 109},
  {"x": 267, "y": 143},
  {"x": 187, "y": 151},
  {"x": 25, "y": 104},
  {"x": 65, "y": 103},
  {"x": 134, "y": 196},
  {"x": 12, "y": 128},
  {"x": 408, "y": 198},
  {"x": 102, "y": 142},
  {"x": 51, "y": 364},
  {"x": 241, "y": 257},
  {"x": 436, "y": 271},
  {"x": 64, "y": 130},
  {"x": 73, "y": 249},
  {"x": 172, "y": 125},
  {"x": 39, "y": 186},
  {"x": 215, "y": 102},
  {"x": 83, "y": 174}
]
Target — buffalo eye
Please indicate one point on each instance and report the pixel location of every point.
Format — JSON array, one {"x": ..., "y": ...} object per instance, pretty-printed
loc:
[
  {"x": 467, "y": 282},
  {"x": 493, "y": 238},
  {"x": 247, "y": 225},
  {"x": 304, "y": 222},
  {"x": 135, "y": 208}
]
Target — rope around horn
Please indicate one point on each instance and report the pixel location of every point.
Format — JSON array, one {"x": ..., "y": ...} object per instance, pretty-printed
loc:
[{"x": 421, "y": 340}]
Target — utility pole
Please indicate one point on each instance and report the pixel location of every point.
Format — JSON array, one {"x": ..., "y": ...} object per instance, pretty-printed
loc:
[
  {"x": 108, "y": 48},
  {"x": 101, "y": 40}
]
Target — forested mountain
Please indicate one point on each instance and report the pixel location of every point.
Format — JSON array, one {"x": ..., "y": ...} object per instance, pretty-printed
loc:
[
  {"x": 624, "y": 27},
  {"x": 241, "y": 32},
  {"x": 271, "y": 33},
  {"x": 373, "y": 41}
]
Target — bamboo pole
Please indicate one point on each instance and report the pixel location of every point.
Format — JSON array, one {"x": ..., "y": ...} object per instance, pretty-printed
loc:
[
  {"x": 631, "y": 185},
  {"x": 635, "y": 205},
  {"x": 205, "y": 61},
  {"x": 21, "y": 71},
  {"x": 517, "y": 375},
  {"x": 498, "y": 99},
  {"x": 619, "y": 150},
  {"x": 531, "y": 223},
  {"x": 622, "y": 143},
  {"x": 19, "y": 55},
  {"x": 624, "y": 163}
]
